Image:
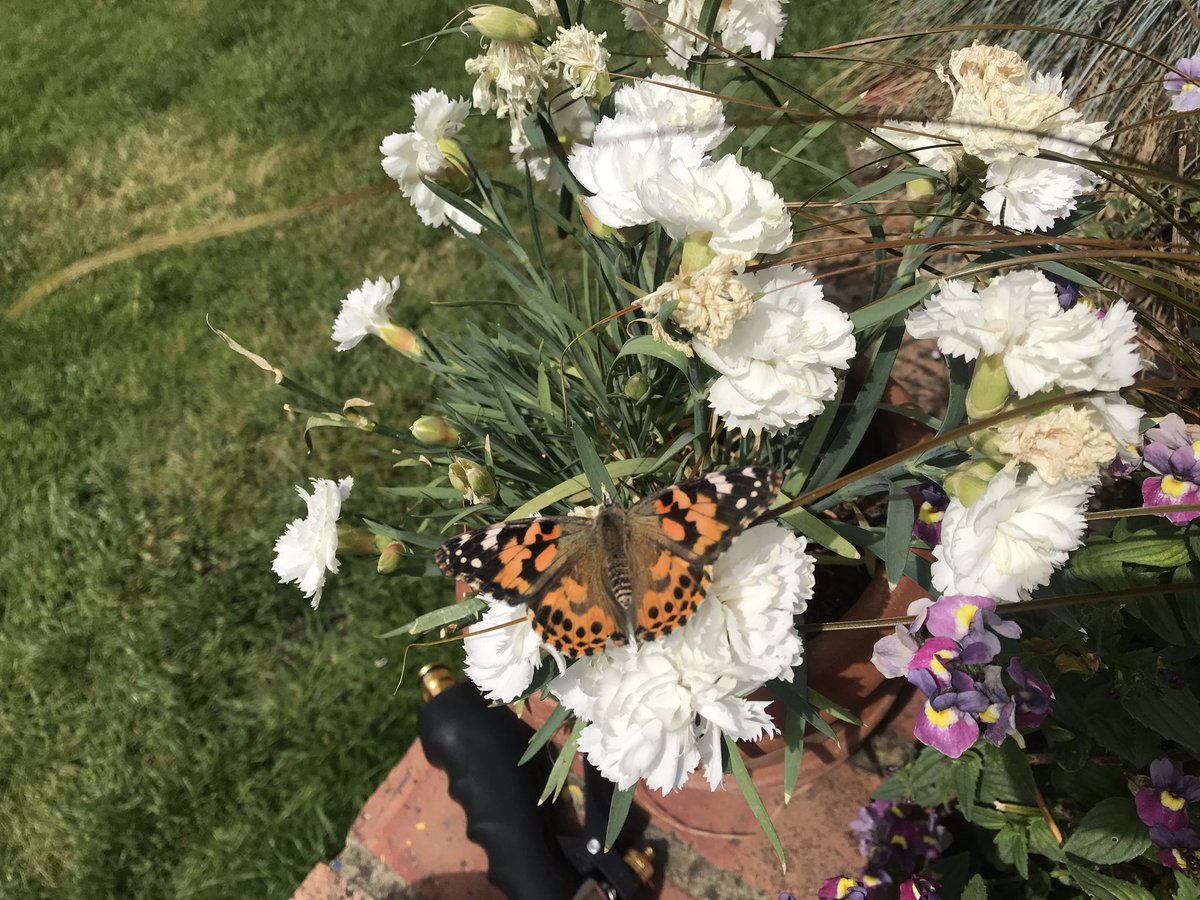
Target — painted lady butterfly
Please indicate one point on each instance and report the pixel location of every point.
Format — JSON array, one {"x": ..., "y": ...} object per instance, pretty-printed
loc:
[{"x": 635, "y": 572}]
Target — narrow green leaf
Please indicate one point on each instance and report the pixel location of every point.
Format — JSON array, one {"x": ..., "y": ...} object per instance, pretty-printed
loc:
[
  {"x": 742, "y": 777},
  {"x": 1110, "y": 832},
  {"x": 811, "y": 450},
  {"x": 646, "y": 345},
  {"x": 893, "y": 304},
  {"x": 422, "y": 492},
  {"x": 543, "y": 391},
  {"x": 562, "y": 765},
  {"x": 454, "y": 614},
  {"x": 618, "y": 812},
  {"x": 893, "y": 180},
  {"x": 795, "y": 697},
  {"x": 542, "y": 736},
  {"x": 793, "y": 751},
  {"x": 823, "y": 703},
  {"x": 599, "y": 480},
  {"x": 810, "y": 134},
  {"x": 818, "y": 530},
  {"x": 622, "y": 468},
  {"x": 899, "y": 533},
  {"x": 1105, "y": 887}
]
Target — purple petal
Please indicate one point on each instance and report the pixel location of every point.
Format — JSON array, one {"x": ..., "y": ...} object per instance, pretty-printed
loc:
[
  {"x": 949, "y": 731},
  {"x": 1150, "y": 809},
  {"x": 894, "y": 653}
]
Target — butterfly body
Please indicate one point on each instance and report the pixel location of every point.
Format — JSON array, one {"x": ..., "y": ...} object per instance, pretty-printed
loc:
[{"x": 634, "y": 573}]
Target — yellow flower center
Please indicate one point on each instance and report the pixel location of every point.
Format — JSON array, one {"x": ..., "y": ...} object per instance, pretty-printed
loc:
[
  {"x": 931, "y": 516},
  {"x": 844, "y": 886},
  {"x": 1170, "y": 801},
  {"x": 964, "y": 615},
  {"x": 900, "y": 841},
  {"x": 990, "y": 715},
  {"x": 1173, "y": 487},
  {"x": 940, "y": 719}
]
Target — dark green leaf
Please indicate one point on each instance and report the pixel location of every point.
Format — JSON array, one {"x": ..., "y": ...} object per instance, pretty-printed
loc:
[
  {"x": 793, "y": 751},
  {"x": 1110, "y": 832},
  {"x": 645, "y": 345},
  {"x": 1173, "y": 713},
  {"x": 1104, "y": 887},
  {"x": 1042, "y": 840},
  {"x": 924, "y": 781},
  {"x": 964, "y": 773},
  {"x": 1006, "y": 775},
  {"x": 1012, "y": 843},
  {"x": 976, "y": 889},
  {"x": 742, "y": 777},
  {"x": 1186, "y": 888},
  {"x": 899, "y": 533},
  {"x": 618, "y": 812}
]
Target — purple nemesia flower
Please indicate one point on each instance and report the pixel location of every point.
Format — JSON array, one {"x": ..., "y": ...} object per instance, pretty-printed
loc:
[
  {"x": 896, "y": 839},
  {"x": 1179, "y": 849},
  {"x": 947, "y": 721},
  {"x": 973, "y": 622},
  {"x": 1032, "y": 696},
  {"x": 1164, "y": 804},
  {"x": 999, "y": 718},
  {"x": 1066, "y": 290},
  {"x": 842, "y": 887},
  {"x": 894, "y": 652},
  {"x": 932, "y": 657},
  {"x": 918, "y": 888},
  {"x": 1172, "y": 451},
  {"x": 1186, "y": 89},
  {"x": 927, "y": 526},
  {"x": 787, "y": 896}
]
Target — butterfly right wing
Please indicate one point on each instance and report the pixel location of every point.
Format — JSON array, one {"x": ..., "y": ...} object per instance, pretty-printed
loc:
[{"x": 550, "y": 564}]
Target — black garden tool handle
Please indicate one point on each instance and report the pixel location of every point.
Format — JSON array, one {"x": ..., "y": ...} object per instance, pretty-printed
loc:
[{"x": 478, "y": 746}]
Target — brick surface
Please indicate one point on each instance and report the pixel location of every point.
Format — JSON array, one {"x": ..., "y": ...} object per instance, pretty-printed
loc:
[
  {"x": 413, "y": 826},
  {"x": 323, "y": 883}
]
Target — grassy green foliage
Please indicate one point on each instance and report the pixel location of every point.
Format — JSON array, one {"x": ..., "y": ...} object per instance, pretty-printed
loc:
[{"x": 174, "y": 723}]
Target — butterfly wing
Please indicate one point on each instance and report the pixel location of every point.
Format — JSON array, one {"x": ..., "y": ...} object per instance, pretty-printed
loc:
[
  {"x": 550, "y": 564},
  {"x": 678, "y": 534}
]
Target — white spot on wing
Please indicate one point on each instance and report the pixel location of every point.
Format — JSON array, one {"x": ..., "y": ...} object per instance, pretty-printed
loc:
[
  {"x": 741, "y": 504},
  {"x": 475, "y": 563},
  {"x": 488, "y": 541}
]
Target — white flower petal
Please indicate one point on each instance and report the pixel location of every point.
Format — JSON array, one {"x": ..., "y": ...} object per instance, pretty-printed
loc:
[{"x": 308, "y": 547}]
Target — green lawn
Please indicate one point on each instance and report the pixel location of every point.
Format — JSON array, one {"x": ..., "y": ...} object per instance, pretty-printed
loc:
[{"x": 173, "y": 723}]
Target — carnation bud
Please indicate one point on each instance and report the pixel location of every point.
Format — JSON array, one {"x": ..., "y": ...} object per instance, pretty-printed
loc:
[
  {"x": 472, "y": 480},
  {"x": 355, "y": 541},
  {"x": 970, "y": 480},
  {"x": 453, "y": 151},
  {"x": 920, "y": 194},
  {"x": 499, "y": 23},
  {"x": 696, "y": 252},
  {"x": 637, "y": 386},
  {"x": 390, "y": 558},
  {"x": 400, "y": 338},
  {"x": 436, "y": 431},
  {"x": 989, "y": 390}
]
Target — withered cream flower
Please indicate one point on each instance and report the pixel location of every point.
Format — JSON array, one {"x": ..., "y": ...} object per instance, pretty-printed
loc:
[
  {"x": 1068, "y": 442},
  {"x": 511, "y": 79},
  {"x": 711, "y": 300},
  {"x": 579, "y": 57}
]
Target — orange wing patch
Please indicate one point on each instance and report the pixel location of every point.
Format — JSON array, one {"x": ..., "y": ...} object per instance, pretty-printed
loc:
[
  {"x": 677, "y": 586},
  {"x": 567, "y": 620}
]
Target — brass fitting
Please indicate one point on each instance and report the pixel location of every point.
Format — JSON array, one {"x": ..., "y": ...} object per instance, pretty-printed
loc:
[{"x": 435, "y": 678}]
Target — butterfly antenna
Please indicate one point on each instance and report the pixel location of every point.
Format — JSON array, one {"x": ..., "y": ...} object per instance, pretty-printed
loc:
[{"x": 450, "y": 640}]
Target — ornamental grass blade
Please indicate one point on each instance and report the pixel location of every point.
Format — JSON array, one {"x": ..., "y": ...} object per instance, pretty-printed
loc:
[
  {"x": 793, "y": 752},
  {"x": 899, "y": 534},
  {"x": 742, "y": 777},
  {"x": 819, "y": 530},
  {"x": 618, "y": 812},
  {"x": 823, "y": 703},
  {"x": 543, "y": 735},
  {"x": 562, "y": 765},
  {"x": 645, "y": 345}
]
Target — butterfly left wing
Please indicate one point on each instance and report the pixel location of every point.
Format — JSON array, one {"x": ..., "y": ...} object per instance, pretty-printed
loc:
[
  {"x": 548, "y": 564},
  {"x": 679, "y": 533}
]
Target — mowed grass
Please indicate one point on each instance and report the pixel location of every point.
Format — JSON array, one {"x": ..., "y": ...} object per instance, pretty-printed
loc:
[{"x": 173, "y": 723}]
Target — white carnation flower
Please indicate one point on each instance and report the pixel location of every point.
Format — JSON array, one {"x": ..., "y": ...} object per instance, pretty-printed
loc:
[
  {"x": 657, "y": 710},
  {"x": 1018, "y": 316},
  {"x": 510, "y": 80},
  {"x": 365, "y": 311},
  {"x": 680, "y": 31},
  {"x": 580, "y": 58},
  {"x": 737, "y": 206},
  {"x": 1012, "y": 538},
  {"x": 544, "y": 8},
  {"x": 755, "y": 24},
  {"x": 415, "y": 155},
  {"x": 669, "y": 103},
  {"x": 633, "y": 12},
  {"x": 624, "y": 151},
  {"x": 501, "y": 663},
  {"x": 307, "y": 549},
  {"x": 780, "y": 364}
]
